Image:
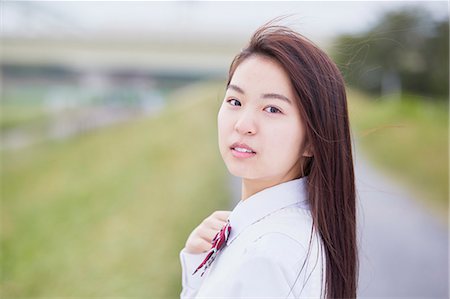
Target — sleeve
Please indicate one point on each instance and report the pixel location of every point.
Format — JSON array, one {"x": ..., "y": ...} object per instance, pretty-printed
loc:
[{"x": 190, "y": 283}]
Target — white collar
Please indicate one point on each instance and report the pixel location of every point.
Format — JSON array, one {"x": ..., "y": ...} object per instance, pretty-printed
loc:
[{"x": 266, "y": 202}]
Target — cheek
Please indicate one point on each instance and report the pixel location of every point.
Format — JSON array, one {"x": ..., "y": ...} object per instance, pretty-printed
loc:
[
  {"x": 285, "y": 142},
  {"x": 223, "y": 124}
]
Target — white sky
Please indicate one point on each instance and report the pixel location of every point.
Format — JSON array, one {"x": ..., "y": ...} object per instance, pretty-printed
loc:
[{"x": 318, "y": 20}]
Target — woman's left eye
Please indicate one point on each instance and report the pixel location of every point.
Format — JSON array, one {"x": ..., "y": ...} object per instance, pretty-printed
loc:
[
  {"x": 272, "y": 109},
  {"x": 234, "y": 102}
]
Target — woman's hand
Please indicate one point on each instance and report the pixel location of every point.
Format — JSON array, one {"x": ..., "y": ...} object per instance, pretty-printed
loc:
[{"x": 201, "y": 237}]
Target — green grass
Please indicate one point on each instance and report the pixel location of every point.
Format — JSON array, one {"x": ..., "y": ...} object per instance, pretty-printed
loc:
[
  {"x": 30, "y": 116},
  {"x": 407, "y": 138},
  {"x": 106, "y": 213},
  {"x": 22, "y": 107}
]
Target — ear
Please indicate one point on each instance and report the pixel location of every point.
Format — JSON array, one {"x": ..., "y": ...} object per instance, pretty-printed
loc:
[{"x": 308, "y": 151}]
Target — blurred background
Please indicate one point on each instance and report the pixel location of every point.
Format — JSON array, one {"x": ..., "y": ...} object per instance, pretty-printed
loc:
[{"x": 108, "y": 138}]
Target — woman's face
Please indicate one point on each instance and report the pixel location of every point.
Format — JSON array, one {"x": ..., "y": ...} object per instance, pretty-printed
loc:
[{"x": 260, "y": 130}]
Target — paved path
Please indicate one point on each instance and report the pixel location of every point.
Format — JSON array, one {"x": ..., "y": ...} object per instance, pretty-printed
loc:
[{"x": 404, "y": 250}]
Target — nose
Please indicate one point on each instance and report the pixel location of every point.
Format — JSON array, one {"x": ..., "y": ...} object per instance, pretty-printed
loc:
[{"x": 245, "y": 125}]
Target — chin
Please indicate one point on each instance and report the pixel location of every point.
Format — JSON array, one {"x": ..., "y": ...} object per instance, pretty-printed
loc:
[
  {"x": 242, "y": 173},
  {"x": 241, "y": 169},
  {"x": 237, "y": 171}
]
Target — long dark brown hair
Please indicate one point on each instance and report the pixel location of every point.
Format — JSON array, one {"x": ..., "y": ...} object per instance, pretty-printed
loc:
[{"x": 322, "y": 102}]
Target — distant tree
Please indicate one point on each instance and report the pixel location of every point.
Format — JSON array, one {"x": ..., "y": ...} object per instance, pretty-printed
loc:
[{"x": 404, "y": 51}]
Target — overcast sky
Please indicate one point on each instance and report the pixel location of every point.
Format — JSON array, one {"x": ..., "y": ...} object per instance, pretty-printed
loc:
[{"x": 317, "y": 20}]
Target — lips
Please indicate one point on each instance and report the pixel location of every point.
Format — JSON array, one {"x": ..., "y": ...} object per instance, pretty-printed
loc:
[
  {"x": 242, "y": 151},
  {"x": 242, "y": 148}
]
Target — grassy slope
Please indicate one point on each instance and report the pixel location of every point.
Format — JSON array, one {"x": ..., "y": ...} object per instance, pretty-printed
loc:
[
  {"x": 106, "y": 213},
  {"x": 408, "y": 139}
]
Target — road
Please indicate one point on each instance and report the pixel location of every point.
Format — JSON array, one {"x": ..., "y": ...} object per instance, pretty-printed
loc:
[{"x": 403, "y": 249}]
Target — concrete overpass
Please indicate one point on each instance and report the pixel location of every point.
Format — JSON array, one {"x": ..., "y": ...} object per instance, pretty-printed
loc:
[{"x": 202, "y": 57}]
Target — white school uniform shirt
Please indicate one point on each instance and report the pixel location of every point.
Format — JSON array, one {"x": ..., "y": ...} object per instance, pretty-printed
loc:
[{"x": 266, "y": 255}]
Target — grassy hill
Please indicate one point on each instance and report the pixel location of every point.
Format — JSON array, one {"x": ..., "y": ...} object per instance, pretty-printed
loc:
[{"x": 106, "y": 213}]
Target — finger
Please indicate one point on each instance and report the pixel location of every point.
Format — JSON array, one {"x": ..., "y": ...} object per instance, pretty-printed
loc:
[
  {"x": 208, "y": 234},
  {"x": 213, "y": 223},
  {"x": 221, "y": 215},
  {"x": 202, "y": 245}
]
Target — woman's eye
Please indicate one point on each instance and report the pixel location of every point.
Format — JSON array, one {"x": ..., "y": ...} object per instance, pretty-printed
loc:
[
  {"x": 234, "y": 102},
  {"x": 272, "y": 109}
]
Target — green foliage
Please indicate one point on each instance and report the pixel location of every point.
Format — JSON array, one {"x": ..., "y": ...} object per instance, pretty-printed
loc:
[
  {"x": 405, "y": 50},
  {"x": 408, "y": 138},
  {"x": 105, "y": 214}
]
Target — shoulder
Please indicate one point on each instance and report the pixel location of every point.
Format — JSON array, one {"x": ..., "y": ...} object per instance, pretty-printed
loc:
[
  {"x": 277, "y": 245},
  {"x": 267, "y": 269},
  {"x": 292, "y": 226},
  {"x": 286, "y": 236},
  {"x": 276, "y": 265}
]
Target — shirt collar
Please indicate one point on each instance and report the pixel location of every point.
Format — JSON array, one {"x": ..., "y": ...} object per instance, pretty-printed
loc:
[{"x": 266, "y": 202}]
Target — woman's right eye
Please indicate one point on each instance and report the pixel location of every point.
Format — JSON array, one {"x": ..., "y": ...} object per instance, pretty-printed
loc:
[{"x": 234, "y": 102}]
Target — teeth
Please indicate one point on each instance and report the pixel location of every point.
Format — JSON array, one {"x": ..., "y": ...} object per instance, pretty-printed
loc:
[{"x": 242, "y": 150}]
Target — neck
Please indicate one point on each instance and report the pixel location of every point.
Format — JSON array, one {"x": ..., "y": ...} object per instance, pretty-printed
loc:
[{"x": 251, "y": 187}]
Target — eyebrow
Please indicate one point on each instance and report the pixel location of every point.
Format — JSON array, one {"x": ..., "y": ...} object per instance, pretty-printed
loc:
[{"x": 264, "y": 96}]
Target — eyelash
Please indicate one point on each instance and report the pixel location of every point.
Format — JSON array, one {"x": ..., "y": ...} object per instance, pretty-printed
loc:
[
  {"x": 277, "y": 110},
  {"x": 230, "y": 100}
]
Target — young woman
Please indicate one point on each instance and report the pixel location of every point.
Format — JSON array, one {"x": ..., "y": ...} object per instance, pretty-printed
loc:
[{"x": 283, "y": 128}]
